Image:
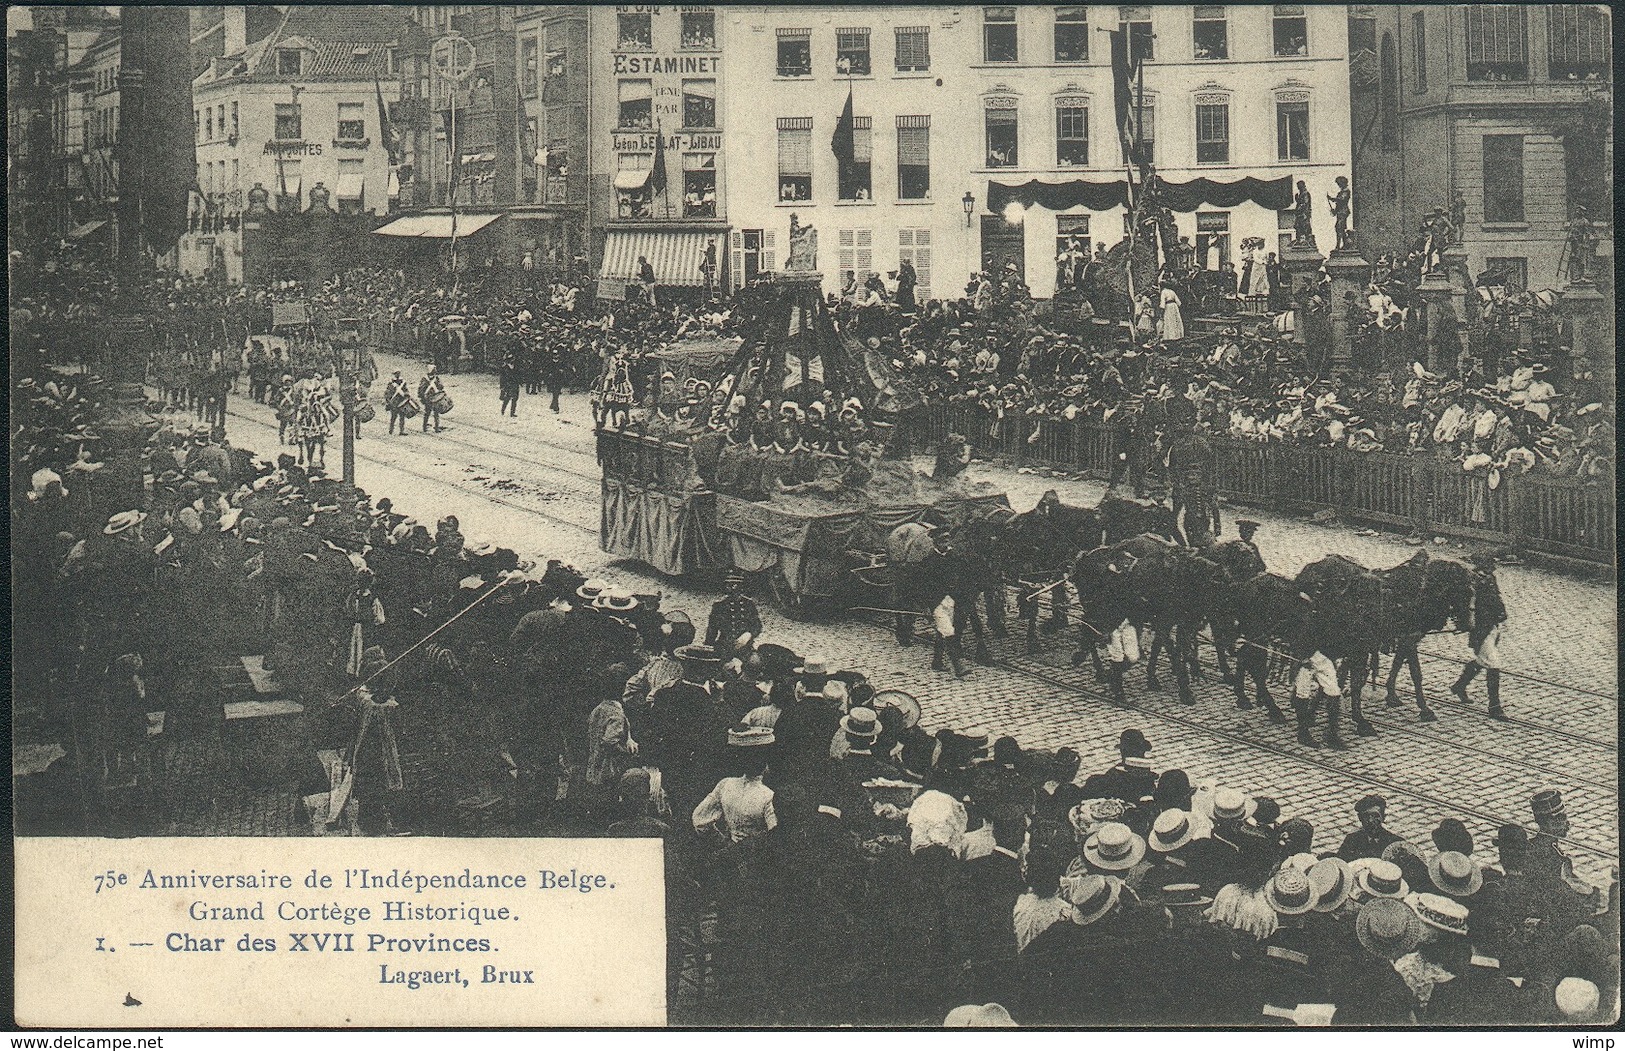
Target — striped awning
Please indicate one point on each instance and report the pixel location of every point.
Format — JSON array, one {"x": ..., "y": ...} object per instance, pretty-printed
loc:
[
  {"x": 675, "y": 255},
  {"x": 468, "y": 223}
]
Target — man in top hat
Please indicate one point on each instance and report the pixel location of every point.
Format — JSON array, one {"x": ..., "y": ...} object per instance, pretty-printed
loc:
[
  {"x": 1371, "y": 838},
  {"x": 683, "y": 730},
  {"x": 848, "y": 775},
  {"x": 734, "y": 622},
  {"x": 1489, "y": 613},
  {"x": 1131, "y": 778}
]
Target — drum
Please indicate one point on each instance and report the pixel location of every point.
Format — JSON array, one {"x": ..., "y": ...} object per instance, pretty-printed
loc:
[{"x": 442, "y": 403}]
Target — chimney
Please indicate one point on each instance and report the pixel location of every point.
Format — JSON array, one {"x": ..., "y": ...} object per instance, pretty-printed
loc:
[{"x": 236, "y": 23}]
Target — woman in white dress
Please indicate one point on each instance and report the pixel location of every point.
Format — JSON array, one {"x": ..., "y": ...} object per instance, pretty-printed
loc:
[{"x": 1172, "y": 327}]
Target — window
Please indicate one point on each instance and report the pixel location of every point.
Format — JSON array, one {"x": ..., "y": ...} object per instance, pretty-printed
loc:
[
  {"x": 529, "y": 69},
  {"x": 1136, "y": 21},
  {"x": 636, "y": 105},
  {"x": 852, "y": 52},
  {"x": 1509, "y": 271},
  {"x": 913, "y": 49},
  {"x": 634, "y": 197},
  {"x": 1292, "y": 131},
  {"x": 1291, "y": 31},
  {"x": 853, "y": 184},
  {"x": 350, "y": 193},
  {"x": 795, "y": 158},
  {"x": 1071, "y": 34},
  {"x": 1000, "y": 120},
  {"x": 856, "y": 252},
  {"x": 699, "y": 103},
  {"x": 290, "y": 122},
  {"x": 1363, "y": 28},
  {"x": 557, "y": 165},
  {"x": 699, "y": 186},
  {"x": 1212, "y": 239},
  {"x": 556, "y": 64},
  {"x": 290, "y": 62},
  {"x": 1497, "y": 42},
  {"x": 235, "y": 125},
  {"x": 208, "y": 125},
  {"x": 999, "y": 34},
  {"x": 220, "y": 119},
  {"x": 1146, "y": 114},
  {"x": 1419, "y": 52},
  {"x": 1577, "y": 42},
  {"x": 352, "y": 120},
  {"x": 1286, "y": 230},
  {"x": 1071, "y": 133},
  {"x": 913, "y": 158},
  {"x": 914, "y": 246},
  {"x": 1211, "y": 34},
  {"x": 699, "y": 30},
  {"x": 636, "y": 32},
  {"x": 1503, "y": 179},
  {"x": 795, "y": 52},
  {"x": 1213, "y": 133},
  {"x": 197, "y": 125},
  {"x": 1388, "y": 85},
  {"x": 753, "y": 255},
  {"x": 286, "y": 185},
  {"x": 236, "y": 184}
]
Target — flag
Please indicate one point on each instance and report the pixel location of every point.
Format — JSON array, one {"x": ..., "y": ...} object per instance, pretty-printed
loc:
[
  {"x": 657, "y": 180},
  {"x": 1123, "y": 70},
  {"x": 386, "y": 130},
  {"x": 844, "y": 142},
  {"x": 455, "y": 173}
]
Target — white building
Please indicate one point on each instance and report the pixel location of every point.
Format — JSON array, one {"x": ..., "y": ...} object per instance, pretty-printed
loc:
[
  {"x": 903, "y": 199},
  {"x": 1230, "y": 94}
]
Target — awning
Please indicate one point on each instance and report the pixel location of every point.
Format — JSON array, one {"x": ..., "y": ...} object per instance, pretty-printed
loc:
[
  {"x": 84, "y": 230},
  {"x": 349, "y": 187},
  {"x": 675, "y": 255},
  {"x": 632, "y": 179},
  {"x": 438, "y": 225}
]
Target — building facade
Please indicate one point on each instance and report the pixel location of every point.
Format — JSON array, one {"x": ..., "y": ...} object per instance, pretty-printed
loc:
[
  {"x": 1238, "y": 104},
  {"x": 294, "y": 112},
  {"x": 902, "y": 196},
  {"x": 1508, "y": 105},
  {"x": 550, "y": 210},
  {"x": 657, "y": 184}
]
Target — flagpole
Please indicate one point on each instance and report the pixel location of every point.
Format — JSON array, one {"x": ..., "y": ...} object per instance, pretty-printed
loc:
[{"x": 451, "y": 175}]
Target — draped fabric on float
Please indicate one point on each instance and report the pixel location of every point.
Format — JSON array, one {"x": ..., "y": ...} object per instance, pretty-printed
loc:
[
  {"x": 1274, "y": 194},
  {"x": 157, "y": 42}
]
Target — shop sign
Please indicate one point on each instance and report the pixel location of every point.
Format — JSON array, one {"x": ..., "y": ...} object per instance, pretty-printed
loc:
[
  {"x": 676, "y": 65},
  {"x": 292, "y": 149},
  {"x": 644, "y": 142}
]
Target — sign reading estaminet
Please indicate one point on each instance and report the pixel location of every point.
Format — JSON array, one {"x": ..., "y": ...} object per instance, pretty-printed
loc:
[{"x": 332, "y": 932}]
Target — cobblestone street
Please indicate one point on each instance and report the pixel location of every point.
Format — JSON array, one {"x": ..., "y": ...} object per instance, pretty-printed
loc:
[{"x": 531, "y": 483}]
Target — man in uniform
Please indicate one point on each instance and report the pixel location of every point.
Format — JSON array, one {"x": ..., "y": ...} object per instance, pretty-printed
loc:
[
  {"x": 734, "y": 622},
  {"x": 1488, "y": 614},
  {"x": 1191, "y": 467},
  {"x": 395, "y": 399},
  {"x": 430, "y": 389},
  {"x": 1544, "y": 856}
]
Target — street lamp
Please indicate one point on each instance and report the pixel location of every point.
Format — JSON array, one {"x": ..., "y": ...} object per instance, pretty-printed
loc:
[
  {"x": 349, "y": 340},
  {"x": 969, "y": 201}
]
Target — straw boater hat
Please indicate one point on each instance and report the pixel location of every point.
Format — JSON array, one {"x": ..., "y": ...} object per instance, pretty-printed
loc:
[
  {"x": 1230, "y": 804},
  {"x": 1091, "y": 896},
  {"x": 745, "y": 736},
  {"x": 1331, "y": 882},
  {"x": 901, "y": 700},
  {"x": 1175, "y": 828},
  {"x": 1439, "y": 912},
  {"x": 1289, "y": 892},
  {"x": 698, "y": 655},
  {"x": 616, "y": 600},
  {"x": 123, "y": 521},
  {"x": 1183, "y": 894},
  {"x": 861, "y": 722},
  {"x": 1380, "y": 879},
  {"x": 1114, "y": 847},
  {"x": 1455, "y": 874},
  {"x": 1388, "y": 928}
]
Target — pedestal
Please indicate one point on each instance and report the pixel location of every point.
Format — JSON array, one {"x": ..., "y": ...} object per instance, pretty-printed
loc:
[
  {"x": 1300, "y": 263},
  {"x": 1589, "y": 315},
  {"x": 1350, "y": 273},
  {"x": 1436, "y": 295}
]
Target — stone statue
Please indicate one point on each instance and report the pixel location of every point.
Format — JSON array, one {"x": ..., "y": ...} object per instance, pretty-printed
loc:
[
  {"x": 803, "y": 247},
  {"x": 1303, "y": 231},
  {"x": 1582, "y": 246},
  {"x": 258, "y": 201},
  {"x": 319, "y": 198},
  {"x": 1342, "y": 206},
  {"x": 1458, "y": 216},
  {"x": 1437, "y": 234}
]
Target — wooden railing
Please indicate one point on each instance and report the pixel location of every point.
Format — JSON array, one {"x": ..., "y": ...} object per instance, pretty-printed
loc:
[{"x": 1537, "y": 512}]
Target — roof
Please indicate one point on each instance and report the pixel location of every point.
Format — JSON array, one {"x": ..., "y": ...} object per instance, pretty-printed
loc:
[{"x": 341, "y": 42}]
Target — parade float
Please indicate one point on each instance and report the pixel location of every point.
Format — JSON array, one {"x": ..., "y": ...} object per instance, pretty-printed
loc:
[{"x": 780, "y": 453}]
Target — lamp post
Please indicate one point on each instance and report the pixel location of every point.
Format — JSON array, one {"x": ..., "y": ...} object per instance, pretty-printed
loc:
[
  {"x": 348, "y": 337},
  {"x": 969, "y": 201}
]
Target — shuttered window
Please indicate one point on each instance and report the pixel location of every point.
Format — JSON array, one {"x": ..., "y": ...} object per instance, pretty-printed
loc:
[
  {"x": 913, "y": 49},
  {"x": 795, "y": 158},
  {"x": 913, "y": 158},
  {"x": 914, "y": 246}
]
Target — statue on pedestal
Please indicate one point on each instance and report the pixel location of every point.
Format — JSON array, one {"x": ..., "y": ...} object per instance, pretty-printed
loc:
[
  {"x": 1342, "y": 206},
  {"x": 1303, "y": 231},
  {"x": 258, "y": 199},
  {"x": 1458, "y": 216},
  {"x": 803, "y": 254}
]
